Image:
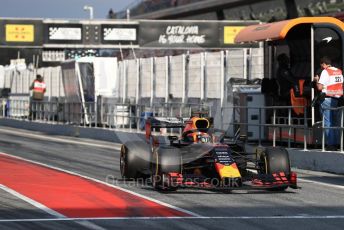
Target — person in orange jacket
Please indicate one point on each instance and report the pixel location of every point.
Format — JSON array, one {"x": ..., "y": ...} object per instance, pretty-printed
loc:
[
  {"x": 38, "y": 88},
  {"x": 330, "y": 83}
]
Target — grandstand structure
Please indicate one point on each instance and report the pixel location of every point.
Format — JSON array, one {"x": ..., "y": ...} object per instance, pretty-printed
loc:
[{"x": 262, "y": 10}]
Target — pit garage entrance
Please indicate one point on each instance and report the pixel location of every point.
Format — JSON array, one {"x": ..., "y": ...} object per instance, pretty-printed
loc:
[{"x": 297, "y": 44}]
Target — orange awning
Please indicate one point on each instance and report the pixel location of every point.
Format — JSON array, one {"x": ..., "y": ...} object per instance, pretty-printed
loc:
[{"x": 279, "y": 30}]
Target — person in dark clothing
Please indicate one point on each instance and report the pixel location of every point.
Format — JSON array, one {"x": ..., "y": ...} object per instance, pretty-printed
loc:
[
  {"x": 284, "y": 78},
  {"x": 284, "y": 83}
]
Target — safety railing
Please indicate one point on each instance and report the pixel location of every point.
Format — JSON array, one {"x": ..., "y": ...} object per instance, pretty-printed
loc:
[
  {"x": 272, "y": 123},
  {"x": 337, "y": 126},
  {"x": 92, "y": 114},
  {"x": 276, "y": 124}
]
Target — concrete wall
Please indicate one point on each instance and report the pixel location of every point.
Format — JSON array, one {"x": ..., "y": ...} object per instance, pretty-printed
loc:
[
  {"x": 75, "y": 131},
  {"x": 317, "y": 160}
]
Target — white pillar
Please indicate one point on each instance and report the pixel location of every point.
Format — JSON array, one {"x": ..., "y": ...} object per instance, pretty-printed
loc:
[
  {"x": 183, "y": 79},
  {"x": 222, "y": 81},
  {"x": 152, "y": 77},
  {"x": 124, "y": 82},
  {"x": 202, "y": 69},
  {"x": 245, "y": 63},
  {"x": 167, "y": 78},
  {"x": 138, "y": 95},
  {"x": 312, "y": 70}
]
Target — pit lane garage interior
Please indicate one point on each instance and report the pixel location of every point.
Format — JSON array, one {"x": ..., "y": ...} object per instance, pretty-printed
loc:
[{"x": 297, "y": 46}]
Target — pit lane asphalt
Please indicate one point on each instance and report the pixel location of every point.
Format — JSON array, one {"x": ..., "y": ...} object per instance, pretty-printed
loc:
[{"x": 315, "y": 206}]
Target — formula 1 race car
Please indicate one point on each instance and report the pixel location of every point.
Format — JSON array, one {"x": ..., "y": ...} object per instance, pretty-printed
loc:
[{"x": 202, "y": 158}]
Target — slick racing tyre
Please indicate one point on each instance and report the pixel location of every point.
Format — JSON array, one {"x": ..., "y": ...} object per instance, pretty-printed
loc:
[
  {"x": 275, "y": 160},
  {"x": 166, "y": 160},
  {"x": 135, "y": 159}
]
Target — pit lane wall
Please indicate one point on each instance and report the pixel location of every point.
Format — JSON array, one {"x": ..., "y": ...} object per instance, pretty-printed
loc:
[
  {"x": 316, "y": 160},
  {"x": 75, "y": 131}
]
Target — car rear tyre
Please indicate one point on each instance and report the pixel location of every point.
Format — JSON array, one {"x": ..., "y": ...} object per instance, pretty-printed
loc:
[
  {"x": 166, "y": 160},
  {"x": 135, "y": 159}
]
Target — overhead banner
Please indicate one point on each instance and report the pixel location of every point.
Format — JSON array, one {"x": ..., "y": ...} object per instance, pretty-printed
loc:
[
  {"x": 14, "y": 32},
  {"x": 20, "y": 33},
  {"x": 157, "y": 34},
  {"x": 228, "y": 30},
  {"x": 229, "y": 33},
  {"x": 115, "y": 34},
  {"x": 181, "y": 34},
  {"x": 190, "y": 34},
  {"x": 63, "y": 33}
]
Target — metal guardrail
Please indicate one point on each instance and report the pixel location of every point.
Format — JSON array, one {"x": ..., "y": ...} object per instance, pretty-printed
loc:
[
  {"x": 289, "y": 124},
  {"x": 340, "y": 128},
  {"x": 132, "y": 116},
  {"x": 274, "y": 125},
  {"x": 93, "y": 114}
]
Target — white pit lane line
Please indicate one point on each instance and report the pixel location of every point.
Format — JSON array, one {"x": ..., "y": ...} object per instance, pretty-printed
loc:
[
  {"x": 32, "y": 202},
  {"x": 314, "y": 182},
  {"x": 295, "y": 217},
  {"x": 322, "y": 183},
  {"x": 86, "y": 221},
  {"x": 193, "y": 215},
  {"x": 57, "y": 215},
  {"x": 117, "y": 146},
  {"x": 107, "y": 184}
]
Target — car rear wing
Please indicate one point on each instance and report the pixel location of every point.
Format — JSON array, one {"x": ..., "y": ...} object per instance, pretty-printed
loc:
[
  {"x": 153, "y": 123},
  {"x": 165, "y": 122}
]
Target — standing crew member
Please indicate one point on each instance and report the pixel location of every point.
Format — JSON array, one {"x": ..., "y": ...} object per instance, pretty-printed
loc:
[
  {"x": 38, "y": 87},
  {"x": 285, "y": 78},
  {"x": 331, "y": 84}
]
